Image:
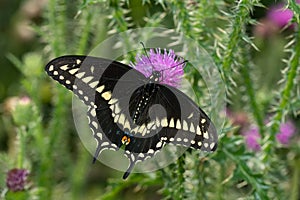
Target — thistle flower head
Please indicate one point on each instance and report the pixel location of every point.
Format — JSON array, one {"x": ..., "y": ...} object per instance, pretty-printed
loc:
[
  {"x": 16, "y": 179},
  {"x": 279, "y": 15},
  {"x": 252, "y": 137},
  {"x": 165, "y": 62},
  {"x": 287, "y": 130}
]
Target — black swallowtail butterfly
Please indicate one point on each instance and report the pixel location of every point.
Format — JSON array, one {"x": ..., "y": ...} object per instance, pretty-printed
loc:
[{"x": 123, "y": 117}]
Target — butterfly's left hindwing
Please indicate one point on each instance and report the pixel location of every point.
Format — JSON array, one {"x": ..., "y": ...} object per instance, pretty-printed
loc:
[{"x": 125, "y": 108}]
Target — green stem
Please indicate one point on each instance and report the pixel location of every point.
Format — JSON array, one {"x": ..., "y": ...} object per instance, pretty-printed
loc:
[
  {"x": 179, "y": 191},
  {"x": 241, "y": 17},
  {"x": 78, "y": 174},
  {"x": 21, "y": 154},
  {"x": 85, "y": 33},
  {"x": 57, "y": 26},
  {"x": 295, "y": 180},
  {"x": 286, "y": 93},
  {"x": 251, "y": 93}
]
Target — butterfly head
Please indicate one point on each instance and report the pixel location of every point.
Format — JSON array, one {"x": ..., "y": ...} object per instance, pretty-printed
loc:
[{"x": 155, "y": 76}]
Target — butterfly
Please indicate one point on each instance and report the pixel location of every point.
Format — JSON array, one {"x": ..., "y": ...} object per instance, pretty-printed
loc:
[{"x": 131, "y": 111}]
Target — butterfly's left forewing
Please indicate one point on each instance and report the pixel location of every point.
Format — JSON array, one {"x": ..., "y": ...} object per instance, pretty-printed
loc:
[{"x": 93, "y": 80}]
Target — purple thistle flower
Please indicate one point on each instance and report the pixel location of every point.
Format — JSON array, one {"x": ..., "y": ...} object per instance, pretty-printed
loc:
[
  {"x": 286, "y": 131},
  {"x": 252, "y": 137},
  {"x": 166, "y": 62},
  {"x": 16, "y": 179},
  {"x": 280, "y": 16}
]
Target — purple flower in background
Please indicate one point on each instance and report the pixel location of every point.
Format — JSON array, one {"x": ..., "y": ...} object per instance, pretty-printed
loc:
[
  {"x": 166, "y": 62},
  {"x": 279, "y": 15},
  {"x": 238, "y": 118},
  {"x": 252, "y": 137},
  {"x": 16, "y": 179},
  {"x": 287, "y": 130}
]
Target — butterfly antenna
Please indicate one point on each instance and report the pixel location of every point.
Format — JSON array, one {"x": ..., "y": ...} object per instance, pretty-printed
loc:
[
  {"x": 147, "y": 55},
  {"x": 185, "y": 61}
]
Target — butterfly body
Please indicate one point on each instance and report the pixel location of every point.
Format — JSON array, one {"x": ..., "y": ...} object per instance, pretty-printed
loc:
[{"x": 126, "y": 108}]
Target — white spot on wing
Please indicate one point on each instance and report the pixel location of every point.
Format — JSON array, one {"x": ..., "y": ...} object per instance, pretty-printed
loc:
[
  {"x": 199, "y": 143},
  {"x": 164, "y": 122},
  {"x": 141, "y": 155},
  {"x": 93, "y": 84},
  {"x": 190, "y": 116},
  {"x": 192, "y": 128},
  {"x": 100, "y": 89},
  {"x": 92, "y": 69},
  {"x": 212, "y": 145},
  {"x": 122, "y": 119},
  {"x": 80, "y": 75},
  {"x": 159, "y": 144},
  {"x": 171, "y": 125},
  {"x": 178, "y": 124},
  {"x": 95, "y": 124},
  {"x": 64, "y": 67},
  {"x": 150, "y": 151},
  {"x": 132, "y": 158},
  {"x": 106, "y": 95},
  {"x": 73, "y": 71},
  {"x": 141, "y": 128},
  {"x": 205, "y": 135},
  {"x": 198, "y": 131},
  {"x": 157, "y": 122},
  {"x": 87, "y": 79},
  {"x": 51, "y": 68},
  {"x": 185, "y": 125},
  {"x": 150, "y": 124},
  {"x": 104, "y": 144},
  {"x": 127, "y": 125},
  {"x": 93, "y": 112},
  {"x": 99, "y": 135},
  {"x": 117, "y": 109},
  {"x": 116, "y": 118}
]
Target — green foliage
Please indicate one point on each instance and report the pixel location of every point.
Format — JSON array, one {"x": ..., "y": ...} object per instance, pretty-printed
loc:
[{"x": 41, "y": 135}]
